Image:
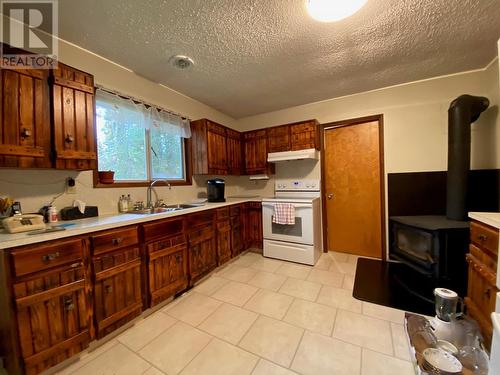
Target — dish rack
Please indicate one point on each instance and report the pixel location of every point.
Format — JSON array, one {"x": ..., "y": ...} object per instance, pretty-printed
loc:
[{"x": 416, "y": 361}]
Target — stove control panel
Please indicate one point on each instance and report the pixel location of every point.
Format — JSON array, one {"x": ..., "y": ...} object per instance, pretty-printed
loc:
[{"x": 294, "y": 185}]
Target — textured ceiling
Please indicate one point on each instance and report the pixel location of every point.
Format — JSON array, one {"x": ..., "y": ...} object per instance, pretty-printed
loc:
[{"x": 255, "y": 56}]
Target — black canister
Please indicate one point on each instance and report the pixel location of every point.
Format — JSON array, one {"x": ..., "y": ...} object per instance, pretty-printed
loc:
[{"x": 215, "y": 190}]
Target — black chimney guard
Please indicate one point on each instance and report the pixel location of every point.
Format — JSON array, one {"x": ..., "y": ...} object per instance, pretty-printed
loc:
[{"x": 463, "y": 111}]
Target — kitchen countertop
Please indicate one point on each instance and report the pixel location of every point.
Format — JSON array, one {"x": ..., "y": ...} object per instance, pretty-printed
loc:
[
  {"x": 490, "y": 218},
  {"x": 103, "y": 222}
]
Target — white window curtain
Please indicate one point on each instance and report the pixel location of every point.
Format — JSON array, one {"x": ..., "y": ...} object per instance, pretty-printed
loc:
[
  {"x": 168, "y": 122},
  {"x": 122, "y": 110},
  {"x": 146, "y": 115}
]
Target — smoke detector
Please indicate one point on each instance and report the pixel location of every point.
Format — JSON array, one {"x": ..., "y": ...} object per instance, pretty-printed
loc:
[{"x": 181, "y": 62}]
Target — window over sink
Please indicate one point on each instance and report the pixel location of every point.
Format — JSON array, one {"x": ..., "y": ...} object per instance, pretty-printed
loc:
[{"x": 140, "y": 142}]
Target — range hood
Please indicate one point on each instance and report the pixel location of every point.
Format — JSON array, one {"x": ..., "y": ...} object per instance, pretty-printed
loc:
[{"x": 310, "y": 153}]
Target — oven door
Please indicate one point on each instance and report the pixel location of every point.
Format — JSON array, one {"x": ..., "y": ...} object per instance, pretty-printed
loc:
[{"x": 301, "y": 232}]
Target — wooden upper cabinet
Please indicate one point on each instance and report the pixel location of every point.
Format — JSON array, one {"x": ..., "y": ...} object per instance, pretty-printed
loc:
[
  {"x": 25, "y": 119},
  {"x": 305, "y": 135},
  {"x": 255, "y": 148},
  {"x": 73, "y": 118},
  {"x": 234, "y": 153},
  {"x": 209, "y": 147},
  {"x": 216, "y": 147},
  {"x": 278, "y": 138}
]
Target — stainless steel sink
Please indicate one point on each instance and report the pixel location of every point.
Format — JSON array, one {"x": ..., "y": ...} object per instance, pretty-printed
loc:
[{"x": 167, "y": 208}]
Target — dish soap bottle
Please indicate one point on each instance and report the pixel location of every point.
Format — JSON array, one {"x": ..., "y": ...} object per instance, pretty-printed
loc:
[{"x": 52, "y": 214}]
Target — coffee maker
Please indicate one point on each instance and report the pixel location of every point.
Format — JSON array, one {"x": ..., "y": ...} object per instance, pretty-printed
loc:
[{"x": 215, "y": 190}]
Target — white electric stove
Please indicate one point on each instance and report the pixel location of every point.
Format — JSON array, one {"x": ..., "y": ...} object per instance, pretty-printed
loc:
[{"x": 302, "y": 241}]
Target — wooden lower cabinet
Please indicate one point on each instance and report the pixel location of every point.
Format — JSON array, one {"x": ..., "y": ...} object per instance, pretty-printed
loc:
[
  {"x": 58, "y": 296},
  {"x": 481, "y": 287},
  {"x": 223, "y": 241},
  {"x": 253, "y": 225},
  {"x": 117, "y": 289},
  {"x": 51, "y": 310},
  {"x": 202, "y": 251},
  {"x": 166, "y": 259},
  {"x": 167, "y": 268},
  {"x": 236, "y": 236}
]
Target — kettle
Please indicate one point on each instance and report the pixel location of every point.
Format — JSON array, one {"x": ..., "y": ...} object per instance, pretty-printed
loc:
[{"x": 446, "y": 302}]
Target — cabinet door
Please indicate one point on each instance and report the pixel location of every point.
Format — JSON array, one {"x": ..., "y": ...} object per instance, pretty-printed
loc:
[
  {"x": 255, "y": 152},
  {"x": 305, "y": 135},
  {"x": 53, "y": 316},
  {"x": 278, "y": 139},
  {"x": 223, "y": 241},
  {"x": 234, "y": 159},
  {"x": 25, "y": 119},
  {"x": 254, "y": 226},
  {"x": 236, "y": 237},
  {"x": 202, "y": 251},
  {"x": 117, "y": 290},
  {"x": 217, "y": 151},
  {"x": 73, "y": 118},
  {"x": 167, "y": 268}
]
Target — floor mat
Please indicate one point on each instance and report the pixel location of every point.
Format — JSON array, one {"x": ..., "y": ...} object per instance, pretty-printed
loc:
[{"x": 394, "y": 285}]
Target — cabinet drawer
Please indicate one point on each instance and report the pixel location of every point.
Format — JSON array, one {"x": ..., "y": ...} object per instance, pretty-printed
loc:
[
  {"x": 234, "y": 210},
  {"x": 30, "y": 260},
  {"x": 166, "y": 243},
  {"x": 115, "y": 239},
  {"x": 204, "y": 217},
  {"x": 489, "y": 261},
  {"x": 197, "y": 236},
  {"x": 481, "y": 285},
  {"x": 484, "y": 236},
  {"x": 222, "y": 213},
  {"x": 163, "y": 228}
]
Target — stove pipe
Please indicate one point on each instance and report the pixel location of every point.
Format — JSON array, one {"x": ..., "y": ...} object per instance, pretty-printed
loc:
[{"x": 463, "y": 111}]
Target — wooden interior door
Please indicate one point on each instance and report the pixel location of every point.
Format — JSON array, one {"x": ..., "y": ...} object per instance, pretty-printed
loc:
[{"x": 353, "y": 188}]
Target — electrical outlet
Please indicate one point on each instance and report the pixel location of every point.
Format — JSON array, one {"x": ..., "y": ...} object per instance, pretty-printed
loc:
[{"x": 70, "y": 185}]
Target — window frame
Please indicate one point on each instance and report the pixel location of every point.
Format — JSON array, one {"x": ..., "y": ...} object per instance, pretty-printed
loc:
[{"x": 188, "y": 168}]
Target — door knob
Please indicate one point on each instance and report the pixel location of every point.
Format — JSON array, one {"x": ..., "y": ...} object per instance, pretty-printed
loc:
[{"x": 330, "y": 196}]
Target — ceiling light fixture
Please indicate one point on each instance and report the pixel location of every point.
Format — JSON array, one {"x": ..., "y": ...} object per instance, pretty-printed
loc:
[
  {"x": 333, "y": 10},
  {"x": 181, "y": 61}
]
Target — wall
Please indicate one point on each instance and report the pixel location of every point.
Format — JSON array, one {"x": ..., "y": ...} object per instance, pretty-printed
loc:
[
  {"x": 35, "y": 188},
  {"x": 415, "y": 119},
  {"x": 415, "y": 132}
]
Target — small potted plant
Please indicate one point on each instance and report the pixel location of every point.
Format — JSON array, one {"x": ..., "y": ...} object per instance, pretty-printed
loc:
[{"x": 106, "y": 177}]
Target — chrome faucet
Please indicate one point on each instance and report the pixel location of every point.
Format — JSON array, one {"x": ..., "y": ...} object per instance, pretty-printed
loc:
[{"x": 149, "y": 200}]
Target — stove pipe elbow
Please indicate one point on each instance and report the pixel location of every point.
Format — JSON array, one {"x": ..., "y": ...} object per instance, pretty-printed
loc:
[{"x": 463, "y": 111}]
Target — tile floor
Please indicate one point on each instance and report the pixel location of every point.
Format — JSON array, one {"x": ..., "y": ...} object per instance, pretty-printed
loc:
[{"x": 262, "y": 316}]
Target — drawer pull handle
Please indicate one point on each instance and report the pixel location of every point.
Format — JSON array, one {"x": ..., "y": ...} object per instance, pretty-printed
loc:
[
  {"x": 487, "y": 293},
  {"x": 108, "y": 288},
  {"x": 69, "y": 138},
  {"x": 25, "y": 133},
  {"x": 482, "y": 237},
  {"x": 117, "y": 241},
  {"x": 48, "y": 257},
  {"x": 178, "y": 258},
  {"x": 68, "y": 304}
]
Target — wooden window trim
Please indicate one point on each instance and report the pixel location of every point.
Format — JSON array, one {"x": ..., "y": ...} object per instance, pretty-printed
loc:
[{"x": 188, "y": 181}]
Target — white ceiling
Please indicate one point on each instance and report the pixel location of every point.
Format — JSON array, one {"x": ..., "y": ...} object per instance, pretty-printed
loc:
[{"x": 255, "y": 56}]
